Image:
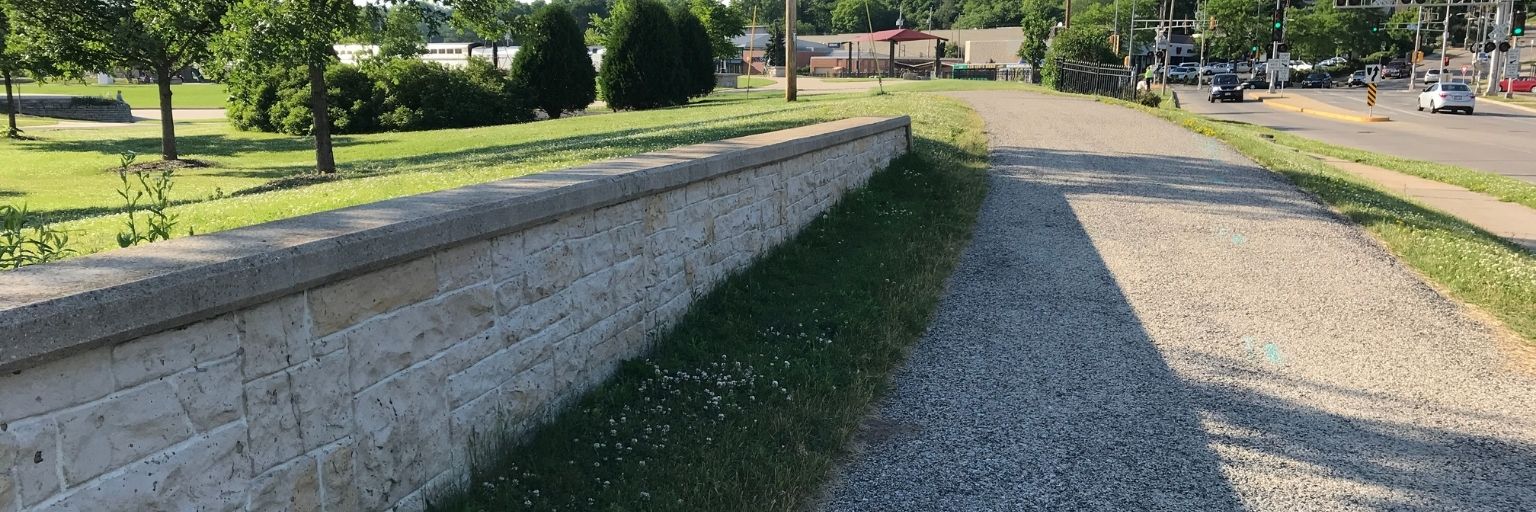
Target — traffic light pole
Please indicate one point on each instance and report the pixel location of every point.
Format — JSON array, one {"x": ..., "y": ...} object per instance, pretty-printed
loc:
[
  {"x": 1445, "y": 40},
  {"x": 1413, "y": 60}
]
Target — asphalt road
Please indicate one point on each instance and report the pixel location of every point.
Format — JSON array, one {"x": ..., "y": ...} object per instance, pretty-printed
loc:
[
  {"x": 1496, "y": 139},
  {"x": 1146, "y": 320}
]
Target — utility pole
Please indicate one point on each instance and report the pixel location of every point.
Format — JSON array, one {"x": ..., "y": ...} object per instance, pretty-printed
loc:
[
  {"x": 1494, "y": 59},
  {"x": 792, "y": 64},
  {"x": 1413, "y": 60},
  {"x": 1445, "y": 39}
]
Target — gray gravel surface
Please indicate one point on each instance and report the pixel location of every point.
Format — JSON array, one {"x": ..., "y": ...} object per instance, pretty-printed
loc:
[{"x": 1146, "y": 320}]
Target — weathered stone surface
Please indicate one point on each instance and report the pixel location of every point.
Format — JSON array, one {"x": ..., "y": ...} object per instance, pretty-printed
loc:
[
  {"x": 390, "y": 343},
  {"x": 291, "y": 487},
  {"x": 56, "y": 385},
  {"x": 209, "y": 393},
  {"x": 208, "y": 473},
  {"x": 118, "y": 429},
  {"x": 401, "y": 423},
  {"x": 275, "y": 336},
  {"x": 338, "y": 491},
  {"x": 322, "y": 399},
  {"x": 29, "y": 462},
  {"x": 273, "y": 421},
  {"x": 463, "y": 265},
  {"x": 337, "y": 306},
  {"x": 175, "y": 350}
]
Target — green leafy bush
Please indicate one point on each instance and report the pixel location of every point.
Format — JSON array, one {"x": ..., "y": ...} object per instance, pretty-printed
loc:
[
  {"x": 23, "y": 242},
  {"x": 698, "y": 61},
  {"x": 553, "y": 66},
  {"x": 640, "y": 70},
  {"x": 1150, "y": 99}
]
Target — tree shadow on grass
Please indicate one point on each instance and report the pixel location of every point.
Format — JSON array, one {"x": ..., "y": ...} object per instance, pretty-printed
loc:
[{"x": 212, "y": 145}]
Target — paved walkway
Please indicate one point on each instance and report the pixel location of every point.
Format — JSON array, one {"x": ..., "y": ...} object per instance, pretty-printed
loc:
[
  {"x": 1513, "y": 221},
  {"x": 1145, "y": 320}
]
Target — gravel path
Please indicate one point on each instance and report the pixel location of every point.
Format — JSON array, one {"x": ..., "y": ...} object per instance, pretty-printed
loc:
[{"x": 1146, "y": 320}]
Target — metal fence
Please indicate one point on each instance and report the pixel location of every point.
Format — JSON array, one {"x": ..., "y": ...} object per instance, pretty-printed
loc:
[{"x": 1092, "y": 78}]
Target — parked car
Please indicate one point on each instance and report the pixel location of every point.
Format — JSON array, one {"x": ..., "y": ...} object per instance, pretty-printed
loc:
[
  {"x": 1225, "y": 87},
  {"x": 1452, "y": 96},
  {"x": 1255, "y": 83},
  {"x": 1301, "y": 65},
  {"x": 1242, "y": 66},
  {"x": 1217, "y": 68},
  {"x": 1432, "y": 76},
  {"x": 1183, "y": 73},
  {"x": 1395, "y": 69},
  {"x": 1522, "y": 84},
  {"x": 1356, "y": 79},
  {"x": 1317, "y": 81},
  {"x": 1334, "y": 61}
]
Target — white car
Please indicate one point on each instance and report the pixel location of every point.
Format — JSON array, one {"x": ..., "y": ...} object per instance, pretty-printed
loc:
[
  {"x": 1242, "y": 67},
  {"x": 1301, "y": 65},
  {"x": 1432, "y": 76},
  {"x": 1217, "y": 68},
  {"x": 1333, "y": 62},
  {"x": 1448, "y": 96},
  {"x": 1183, "y": 72}
]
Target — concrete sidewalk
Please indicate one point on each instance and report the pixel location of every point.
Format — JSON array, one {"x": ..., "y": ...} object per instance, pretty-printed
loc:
[{"x": 1515, "y": 222}]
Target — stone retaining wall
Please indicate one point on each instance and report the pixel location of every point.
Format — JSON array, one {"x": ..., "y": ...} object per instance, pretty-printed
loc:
[
  {"x": 66, "y": 107},
  {"x": 347, "y": 360}
]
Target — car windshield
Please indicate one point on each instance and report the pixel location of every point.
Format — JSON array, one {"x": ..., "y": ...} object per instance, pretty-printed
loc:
[
  {"x": 1317, "y": 76},
  {"x": 1455, "y": 87},
  {"x": 1224, "y": 80}
]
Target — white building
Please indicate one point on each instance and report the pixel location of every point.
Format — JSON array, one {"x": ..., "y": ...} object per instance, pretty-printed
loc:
[{"x": 453, "y": 55}]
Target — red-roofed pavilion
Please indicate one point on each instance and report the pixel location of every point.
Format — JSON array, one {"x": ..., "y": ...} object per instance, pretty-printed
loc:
[{"x": 901, "y": 35}]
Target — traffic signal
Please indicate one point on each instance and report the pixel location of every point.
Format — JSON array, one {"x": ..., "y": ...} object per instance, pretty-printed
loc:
[
  {"x": 1375, "y": 29},
  {"x": 1517, "y": 25},
  {"x": 1489, "y": 47},
  {"x": 1277, "y": 26}
]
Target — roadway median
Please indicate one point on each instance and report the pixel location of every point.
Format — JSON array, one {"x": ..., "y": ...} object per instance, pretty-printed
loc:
[{"x": 1317, "y": 108}]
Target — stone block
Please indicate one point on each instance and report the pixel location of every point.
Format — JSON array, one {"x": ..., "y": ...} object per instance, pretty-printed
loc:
[
  {"x": 118, "y": 429},
  {"x": 390, "y": 343},
  {"x": 56, "y": 384},
  {"x": 293, "y": 486},
  {"x": 538, "y": 316},
  {"x": 402, "y": 424},
  {"x": 512, "y": 294},
  {"x": 339, "y": 305},
  {"x": 275, "y": 336},
  {"x": 210, "y": 393},
  {"x": 509, "y": 256},
  {"x": 463, "y": 265},
  {"x": 273, "y": 421},
  {"x": 207, "y": 473},
  {"x": 29, "y": 461},
  {"x": 528, "y": 394},
  {"x": 322, "y": 399},
  {"x": 338, "y": 491},
  {"x": 164, "y": 353}
]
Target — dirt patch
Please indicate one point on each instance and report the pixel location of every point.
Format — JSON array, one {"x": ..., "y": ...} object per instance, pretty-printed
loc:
[
  {"x": 164, "y": 165},
  {"x": 295, "y": 181}
]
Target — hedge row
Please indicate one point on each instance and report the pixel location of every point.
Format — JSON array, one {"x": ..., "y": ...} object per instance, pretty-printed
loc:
[{"x": 388, "y": 94}]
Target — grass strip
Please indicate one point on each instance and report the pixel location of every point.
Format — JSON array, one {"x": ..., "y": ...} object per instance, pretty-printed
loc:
[
  {"x": 748, "y": 402},
  {"x": 1472, "y": 265}
]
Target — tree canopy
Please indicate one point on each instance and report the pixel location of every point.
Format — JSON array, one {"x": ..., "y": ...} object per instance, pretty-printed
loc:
[{"x": 553, "y": 67}]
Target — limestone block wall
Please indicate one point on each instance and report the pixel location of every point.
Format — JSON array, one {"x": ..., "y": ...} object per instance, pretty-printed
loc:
[
  {"x": 65, "y": 107},
  {"x": 349, "y": 360}
]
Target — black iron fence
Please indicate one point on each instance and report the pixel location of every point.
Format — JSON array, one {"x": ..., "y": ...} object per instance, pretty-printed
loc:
[{"x": 1092, "y": 78}]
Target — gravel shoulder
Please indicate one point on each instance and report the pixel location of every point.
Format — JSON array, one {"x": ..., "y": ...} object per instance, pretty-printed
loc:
[{"x": 1147, "y": 320}]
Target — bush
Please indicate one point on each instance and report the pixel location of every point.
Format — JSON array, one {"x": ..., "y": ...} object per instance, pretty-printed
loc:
[
  {"x": 383, "y": 94},
  {"x": 640, "y": 70},
  {"x": 695, "y": 52},
  {"x": 553, "y": 66},
  {"x": 1150, "y": 99}
]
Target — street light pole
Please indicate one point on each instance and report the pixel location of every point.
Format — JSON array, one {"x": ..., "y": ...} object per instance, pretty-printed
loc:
[{"x": 1413, "y": 60}]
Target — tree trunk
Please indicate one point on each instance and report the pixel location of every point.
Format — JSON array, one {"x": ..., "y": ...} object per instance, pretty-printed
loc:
[
  {"x": 167, "y": 121},
  {"x": 11, "y": 132},
  {"x": 325, "y": 161},
  {"x": 495, "y": 60}
]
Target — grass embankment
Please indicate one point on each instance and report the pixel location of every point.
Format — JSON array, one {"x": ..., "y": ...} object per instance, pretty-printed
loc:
[
  {"x": 137, "y": 95},
  {"x": 747, "y": 404},
  {"x": 65, "y": 174},
  {"x": 1472, "y": 265}
]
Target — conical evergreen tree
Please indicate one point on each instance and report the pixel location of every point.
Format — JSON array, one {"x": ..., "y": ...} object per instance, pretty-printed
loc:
[
  {"x": 553, "y": 66},
  {"x": 698, "y": 61},
  {"x": 642, "y": 68}
]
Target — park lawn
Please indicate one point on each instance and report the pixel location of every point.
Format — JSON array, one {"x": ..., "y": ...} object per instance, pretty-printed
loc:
[
  {"x": 66, "y": 175},
  {"x": 1472, "y": 265},
  {"x": 749, "y": 402},
  {"x": 137, "y": 95},
  {"x": 755, "y": 81},
  {"x": 23, "y": 121}
]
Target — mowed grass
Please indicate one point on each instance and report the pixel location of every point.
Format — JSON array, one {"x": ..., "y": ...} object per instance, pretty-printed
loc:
[
  {"x": 755, "y": 81},
  {"x": 137, "y": 95},
  {"x": 747, "y": 404},
  {"x": 67, "y": 175},
  {"x": 1470, "y": 264}
]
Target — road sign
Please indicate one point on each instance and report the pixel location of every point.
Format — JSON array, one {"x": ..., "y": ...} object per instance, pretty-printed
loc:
[
  {"x": 1372, "y": 72},
  {"x": 1283, "y": 74},
  {"x": 1370, "y": 94},
  {"x": 1512, "y": 63}
]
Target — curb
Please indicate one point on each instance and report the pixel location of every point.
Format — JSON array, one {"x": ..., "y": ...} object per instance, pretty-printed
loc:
[
  {"x": 1360, "y": 118},
  {"x": 1501, "y": 102}
]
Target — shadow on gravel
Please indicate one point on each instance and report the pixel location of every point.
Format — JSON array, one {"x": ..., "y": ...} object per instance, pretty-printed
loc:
[{"x": 1036, "y": 387}]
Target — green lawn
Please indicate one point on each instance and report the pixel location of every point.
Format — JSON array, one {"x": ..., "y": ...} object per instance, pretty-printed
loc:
[
  {"x": 65, "y": 175},
  {"x": 1473, "y": 266},
  {"x": 756, "y": 81},
  {"x": 749, "y": 402},
  {"x": 137, "y": 96}
]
